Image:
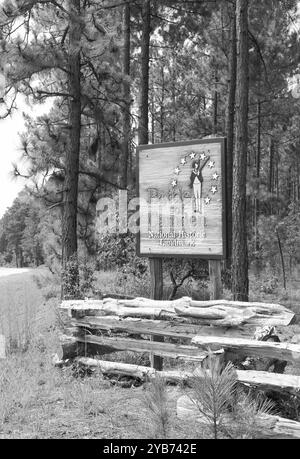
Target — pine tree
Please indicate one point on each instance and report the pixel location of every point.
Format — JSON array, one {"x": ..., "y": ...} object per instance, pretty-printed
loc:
[{"x": 240, "y": 283}]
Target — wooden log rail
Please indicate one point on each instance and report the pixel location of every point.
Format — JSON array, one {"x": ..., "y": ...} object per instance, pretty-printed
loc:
[
  {"x": 280, "y": 351},
  {"x": 196, "y": 346},
  {"x": 168, "y": 329},
  {"x": 258, "y": 379},
  {"x": 197, "y": 352},
  {"x": 216, "y": 312},
  {"x": 219, "y": 313},
  {"x": 172, "y": 320},
  {"x": 175, "y": 351},
  {"x": 200, "y": 349}
]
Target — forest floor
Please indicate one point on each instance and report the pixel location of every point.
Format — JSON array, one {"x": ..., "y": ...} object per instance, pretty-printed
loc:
[{"x": 38, "y": 400}]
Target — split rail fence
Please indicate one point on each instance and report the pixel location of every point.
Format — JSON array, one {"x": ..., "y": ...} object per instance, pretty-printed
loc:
[{"x": 187, "y": 330}]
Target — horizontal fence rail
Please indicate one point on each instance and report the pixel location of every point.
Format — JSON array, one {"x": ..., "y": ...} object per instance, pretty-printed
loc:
[
  {"x": 191, "y": 328},
  {"x": 188, "y": 330},
  {"x": 257, "y": 379},
  {"x": 219, "y": 312}
]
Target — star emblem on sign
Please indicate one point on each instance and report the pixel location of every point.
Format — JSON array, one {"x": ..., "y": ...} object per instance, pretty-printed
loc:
[
  {"x": 203, "y": 157},
  {"x": 183, "y": 161},
  {"x": 207, "y": 200},
  {"x": 211, "y": 164},
  {"x": 215, "y": 176},
  {"x": 214, "y": 189},
  {"x": 174, "y": 183},
  {"x": 177, "y": 171},
  {"x": 192, "y": 155}
]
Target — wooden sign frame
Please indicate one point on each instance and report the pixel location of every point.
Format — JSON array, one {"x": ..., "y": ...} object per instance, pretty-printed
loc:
[{"x": 221, "y": 141}]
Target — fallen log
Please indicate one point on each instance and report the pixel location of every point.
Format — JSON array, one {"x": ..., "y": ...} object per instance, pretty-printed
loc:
[
  {"x": 219, "y": 312},
  {"x": 262, "y": 349},
  {"x": 135, "y": 371},
  {"x": 71, "y": 347},
  {"x": 177, "y": 329},
  {"x": 266, "y": 381},
  {"x": 257, "y": 379},
  {"x": 268, "y": 426},
  {"x": 262, "y": 308},
  {"x": 174, "y": 351},
  {"x": 82, "y": 309},
  {"x": 232, "y": 316}
]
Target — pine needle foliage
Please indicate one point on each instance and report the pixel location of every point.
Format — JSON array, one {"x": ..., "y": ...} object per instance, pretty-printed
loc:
[
  {"x": 249, "y": 415},
  {"x": 213, "y": 392},
  {"x": 228, "y": 409},
  {"x": 156, "y": 403}
]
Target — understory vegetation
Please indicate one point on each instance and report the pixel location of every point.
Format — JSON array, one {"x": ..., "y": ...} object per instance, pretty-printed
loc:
[
  {"x": 112, "y": 75},
  {"x": 38, "y": 400}
]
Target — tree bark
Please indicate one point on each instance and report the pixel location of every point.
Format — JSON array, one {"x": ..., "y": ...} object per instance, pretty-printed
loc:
[
  {"x": 240, "y": 282},
  {"x": 69, "y": 223},
  {"x": 124, "y": 157},
  {"x": 174, "y": 108},
  {"x": 258, "y": 161},
  {"x": 230, "y": 118},
  {"x": 152, "y": 117},
  {"x": 281, "y": 258},
  {"x": 216, "y": 100},
  {"x": 145, "y": 57},
  {"x": 271, "y": 173},
  {"x": 162, "y": 106}
]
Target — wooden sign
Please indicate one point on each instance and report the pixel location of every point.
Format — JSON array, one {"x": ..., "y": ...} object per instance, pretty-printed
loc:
[{"x": 181, "y": 189}]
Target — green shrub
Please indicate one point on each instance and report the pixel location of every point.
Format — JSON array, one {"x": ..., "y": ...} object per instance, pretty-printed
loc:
[
  {"x": 78, "y": 278},
  {"x": 118, "y": 251}
]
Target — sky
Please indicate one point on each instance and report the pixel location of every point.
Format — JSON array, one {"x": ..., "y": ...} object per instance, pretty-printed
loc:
[{"x": 10, "y": 151}]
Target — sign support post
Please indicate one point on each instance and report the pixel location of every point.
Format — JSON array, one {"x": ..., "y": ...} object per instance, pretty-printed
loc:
[
  {"x": 156, "y": 272},
  {"x": 215, "y": 280}
]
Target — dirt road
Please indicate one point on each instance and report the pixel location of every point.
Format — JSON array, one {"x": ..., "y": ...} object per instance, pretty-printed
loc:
[{"x": 12, "y": 271}]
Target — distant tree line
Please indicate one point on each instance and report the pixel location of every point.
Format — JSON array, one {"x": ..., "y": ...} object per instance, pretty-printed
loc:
[
  {"x": 20, "y": 234},
  {"x": 137, "y": 71}
]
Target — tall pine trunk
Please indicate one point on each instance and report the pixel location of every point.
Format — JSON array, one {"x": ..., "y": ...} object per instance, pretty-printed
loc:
[
  {"x": 258, "y": 161},
  {"x": 69, "y": 223},
  {"x": 240, "y": 282},
  {"x": 162, "y": 106},
  {"x": 230, "y": 118},
  {"x": 124, "y": 157},
  {"x": 215, "y": 107},
  {"x": 145, "y": 57},
  {"x": 156, "y": 267}
]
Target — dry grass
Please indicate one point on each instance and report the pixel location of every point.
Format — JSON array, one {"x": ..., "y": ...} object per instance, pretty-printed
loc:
[
  {"x": 40, "y": 401},
  {"x": 23, "y": 310}
]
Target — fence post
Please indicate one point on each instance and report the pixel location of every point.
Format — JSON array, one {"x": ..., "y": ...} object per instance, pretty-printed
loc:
[
  {"x": 215, "y": 280},
  {"x": 156, "y": 272}
]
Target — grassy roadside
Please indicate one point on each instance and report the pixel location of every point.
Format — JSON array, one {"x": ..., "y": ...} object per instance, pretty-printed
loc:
[
  {"x": 23, "y": 309},
  {"x": 38, "y": 400}
]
